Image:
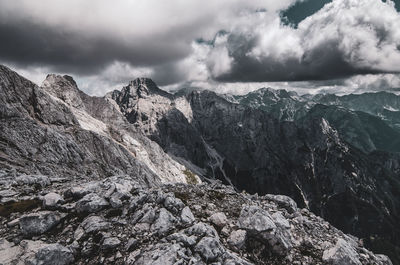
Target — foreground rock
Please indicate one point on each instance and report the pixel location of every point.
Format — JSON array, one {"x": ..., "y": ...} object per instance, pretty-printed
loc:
[
  {"x": 174, "y": 224},
  {"x": 39, "y": 223}
]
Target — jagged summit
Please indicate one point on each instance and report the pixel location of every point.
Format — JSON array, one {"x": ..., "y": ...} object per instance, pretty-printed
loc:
[
  {"x": 141, "y": 88},
  {"x": 61, "y": 81},
  {"x": 143, "y": 83},
  {"x": 64, "y": 88},
  {"x": 141, "y": 136}
]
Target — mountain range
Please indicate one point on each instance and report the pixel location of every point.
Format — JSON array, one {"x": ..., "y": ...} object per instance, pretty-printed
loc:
[{"x": 335, "y": 156}]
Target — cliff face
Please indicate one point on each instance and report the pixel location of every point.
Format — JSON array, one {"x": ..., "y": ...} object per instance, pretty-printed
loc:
[
  {"x": 255, "y": 149},
  {"x": 83, "y": 179},
  {"x": 56, "y": 129}
]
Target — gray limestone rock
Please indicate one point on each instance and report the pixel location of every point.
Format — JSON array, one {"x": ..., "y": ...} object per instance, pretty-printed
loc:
[
  {"x": 8, "y": 252},
  {"x": 36, "y": 253},
  {"x": 174, "y": 205},
  {"x": 110, "y": 243},
  {"x": 52, "y": 200},
  {"x": 165, "y": 222},
  {"x": 284, "y": 201},
  {"x": 260, "y": 224},
  {"x": 91, "y": 203},
  {"x": 188, "y": 241},
  {"x": 52, "y": 254},
  {"x": 161, "y": 254},
  {"x": 201, "y": 229},
  {"x": 209, "y": 248},
  {"x": 39, "y": 223},
  {"x": 187, "y": 216},
  {"x": 237, "y": 239},
  {"x": 133, "y": 149},
  {"x": 91, "y": 224},
  {"x": 342, "y": 253},
  {"x": 256, "y": 221},
  {"x": 218, "y": 219},
  {"x": 32, "y": 180}
]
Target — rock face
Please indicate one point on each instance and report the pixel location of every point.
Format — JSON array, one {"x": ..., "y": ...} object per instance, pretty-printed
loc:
[
  {"x": 356, "y": 117},
  {"x": 300, "y": 154},
  {"x": 145, "y": 229},
  {"x": 85, "y": 178},
  {"x": 58, "y": 130}
]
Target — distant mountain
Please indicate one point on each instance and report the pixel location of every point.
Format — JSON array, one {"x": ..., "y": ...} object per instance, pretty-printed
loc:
[
  {"x": 278, "y": 142},
  {"x": 340, "y": 163},
  {"x": 367, "y": 121},
  {"x": 382, "y": 104}
]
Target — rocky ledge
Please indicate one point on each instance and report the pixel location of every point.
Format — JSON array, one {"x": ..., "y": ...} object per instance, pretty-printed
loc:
[{"x": 119, "y": 221}]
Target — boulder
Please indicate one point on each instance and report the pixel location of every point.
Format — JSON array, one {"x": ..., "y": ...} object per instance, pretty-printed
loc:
[
  {"x": 8, "y": 252},
  {"x": 91, "y": 203},
  {"x": 209, "y": 248},
  {"x": 237, "y": 239},
  {"x": 260, "y": 224},
  {"x": 174, "y": 205},
  {"x": 52, "y": 254},
  {"x": 218, "y": 219},
  {"x": 256, "y": 221},
  {"x": 187, "y": 241},
  {"x": 165, "y": 222},
  {"x": 91, "y": 224},
  {"x": 110, "y": 243},
  {"x": 52, "y": 200},
  {"x": 200, "y": 230},
  {"x": 187, "y": 216},
  {"x": 39, "y": 223},
  {"x": 341, "y": 254},
  {"x": 160, "y": 254},
  {"x": 283, "y": 201}
]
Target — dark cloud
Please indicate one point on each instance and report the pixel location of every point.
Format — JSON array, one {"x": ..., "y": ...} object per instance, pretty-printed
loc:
[
  {"x": 77, "y": 37},
  {"x": 323, "y": 62},
  {"x": 29, "y": 43},
  {"x": 177, "y": 42}
]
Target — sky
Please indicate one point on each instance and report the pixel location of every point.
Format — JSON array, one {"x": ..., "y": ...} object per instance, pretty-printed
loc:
[{"x": 229, "y": 46}]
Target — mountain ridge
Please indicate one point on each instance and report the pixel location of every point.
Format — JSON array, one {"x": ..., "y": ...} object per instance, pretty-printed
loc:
[{"x": 152, "y": 136}]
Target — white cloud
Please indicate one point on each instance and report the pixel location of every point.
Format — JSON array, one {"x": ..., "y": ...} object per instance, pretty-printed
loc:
[
  {"x": 34, "y": 73},
  {"x": 367, "y": 32},
  {"x": 139, "y": 21},
  {"x": 346, "y": 37},
  {"x": 113, "y": 77}
]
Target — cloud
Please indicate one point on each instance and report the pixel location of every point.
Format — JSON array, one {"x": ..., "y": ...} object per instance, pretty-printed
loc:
[
  {"x": 212, "y": 44},
  {"x": 85, "y": 36},
  {"x": 344, "y": 38},
  {"x": 113, "y": 77}
]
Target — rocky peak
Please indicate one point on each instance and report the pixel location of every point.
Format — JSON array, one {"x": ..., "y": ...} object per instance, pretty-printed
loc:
[
  {"x": 64, "y": 88},
  {"x": 140, "y": 88},
  {"x": 143, "y": 85},
  {"x": 62, "y": 82}
]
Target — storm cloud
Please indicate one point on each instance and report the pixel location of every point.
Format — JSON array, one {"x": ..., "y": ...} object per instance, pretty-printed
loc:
[
  {"x": 212, "y": 44},
  {"x": 83, "y": 36},
  {"x": 346, "y": 37}
]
